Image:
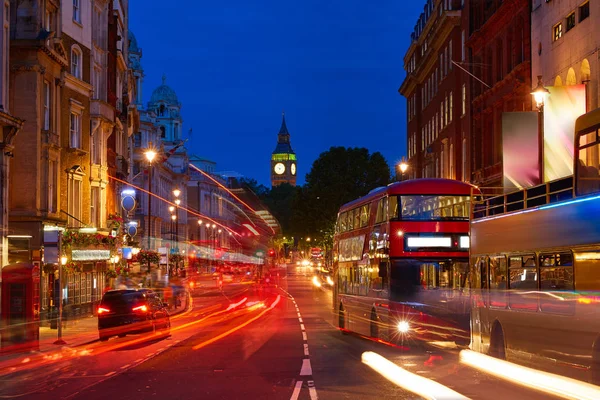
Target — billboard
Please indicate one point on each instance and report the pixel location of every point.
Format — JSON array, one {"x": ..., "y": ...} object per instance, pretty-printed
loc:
[
  {"x": 520, "y": 150},
  {"x": 562, "y": 107}
]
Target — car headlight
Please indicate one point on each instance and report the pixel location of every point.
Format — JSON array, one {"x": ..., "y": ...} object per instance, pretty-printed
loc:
[
  {"x": 316, "y": 281},
  {"x": 330, "y": 281},
  {"x": 403, "y": 326}
]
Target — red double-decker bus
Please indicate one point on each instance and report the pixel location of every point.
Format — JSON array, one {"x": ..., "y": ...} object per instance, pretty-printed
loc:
[{"x": 401, "y": 259}]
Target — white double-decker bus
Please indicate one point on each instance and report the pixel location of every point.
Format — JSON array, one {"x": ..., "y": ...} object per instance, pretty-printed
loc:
[{"x": 535, "y": 269}]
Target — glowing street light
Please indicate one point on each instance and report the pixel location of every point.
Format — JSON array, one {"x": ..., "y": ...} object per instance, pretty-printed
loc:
[
  {"x": 402, "y": 167},
  {"x": 539, "y": 94},
  {"x": 150, "y": 156},
  {"x": 171, "y": 208},
  {"x": 176, "y": 192}
]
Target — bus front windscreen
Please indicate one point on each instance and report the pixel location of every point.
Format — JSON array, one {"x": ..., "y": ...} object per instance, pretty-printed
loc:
[{"x": 431, "y": 208}]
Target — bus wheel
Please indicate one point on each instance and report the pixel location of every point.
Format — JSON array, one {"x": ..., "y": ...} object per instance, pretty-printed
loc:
[
  {"x": 497, "y": 346},
  {"x": 595, "y": 367},
  {"x": 374, "y": 325},
  {"x": 342, "y": 319}
]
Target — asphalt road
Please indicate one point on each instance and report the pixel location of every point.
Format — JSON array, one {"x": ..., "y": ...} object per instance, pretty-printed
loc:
[{"x": 246, "y": 343}]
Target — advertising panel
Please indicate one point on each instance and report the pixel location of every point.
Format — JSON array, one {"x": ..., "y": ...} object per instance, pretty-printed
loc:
[{"x": 520, "y": 150}]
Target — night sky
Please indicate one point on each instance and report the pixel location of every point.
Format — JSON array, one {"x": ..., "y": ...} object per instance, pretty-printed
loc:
[{"x": 333, "y": 66}]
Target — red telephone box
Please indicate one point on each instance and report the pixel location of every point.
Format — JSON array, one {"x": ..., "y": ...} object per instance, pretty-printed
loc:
[{"x": 21, "y": 305}]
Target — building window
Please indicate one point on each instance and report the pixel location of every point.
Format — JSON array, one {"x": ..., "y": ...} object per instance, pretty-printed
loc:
[
  {"x": 464, "y": 99},
  {"x": 557, "y": 31},
  {"x": 77, "y": 10},
  {"x": 584, "y": 11},
  {"x": 450, "y": 55},
  {"x": 570, "y": 21},
  {"x": 464, "y": 160},
  {"x": 75, "y": 131},
  {"x": 451, "y": 162},
  {"x": 76, "y": 63},
  {"x": 450, "y": 108},
  {"x": 95, "y": 207},
  {"x": 52, "y": 185},
  {"x": 163, "y": 132},
  {"x": 74, "y": 199},
  {"x": 47, "y": 105},
  {"x": 462, "y": 42}
]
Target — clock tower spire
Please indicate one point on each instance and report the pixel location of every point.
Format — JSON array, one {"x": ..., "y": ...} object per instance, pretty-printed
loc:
[{"x": 283, "y": 159}]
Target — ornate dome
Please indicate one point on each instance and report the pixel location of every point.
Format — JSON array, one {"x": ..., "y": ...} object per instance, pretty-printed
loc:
[
  {"x": 133, "y": 44},
  {"x": 164, "y": 93}
]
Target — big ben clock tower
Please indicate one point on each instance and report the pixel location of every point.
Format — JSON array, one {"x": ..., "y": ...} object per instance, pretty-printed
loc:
[{"x": 283, "y": 159}]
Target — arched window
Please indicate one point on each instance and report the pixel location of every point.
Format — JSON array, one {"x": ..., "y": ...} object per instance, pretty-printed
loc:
[
  {"x": 176, "y": 131},
  {"x": 586, "y": 72},
  {"x": 76, "y": 62},
  {"x": 163, "y": 132},
  {"x": 571, "y": 78},
  {"x": 558, "y": 81}
]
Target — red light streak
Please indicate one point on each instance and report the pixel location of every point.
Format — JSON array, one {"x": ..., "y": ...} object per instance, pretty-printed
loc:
[{"x": 195, "y": 213}]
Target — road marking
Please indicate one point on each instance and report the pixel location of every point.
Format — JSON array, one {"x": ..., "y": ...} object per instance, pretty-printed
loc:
[
  {"x": 149, "y": 355},
  {"x": 306, "y": 368},
  {"x": 125, "y": 366},
  {"x": 300, "y": 319},
  {"x": 111, "y": 373},
  {"x": 296, "y": 391},
  {"x": 139, "y": 360},
  {"x": 312, "y": 390},
  {"x": 302, "y": 327},
  {"x": 304, "y": 336},
  {"x": 305, "y": 349},
  {"x": 299, "y": 316}
]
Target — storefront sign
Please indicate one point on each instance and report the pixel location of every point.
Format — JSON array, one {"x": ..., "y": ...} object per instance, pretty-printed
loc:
[{"x": 87, "y": 255}]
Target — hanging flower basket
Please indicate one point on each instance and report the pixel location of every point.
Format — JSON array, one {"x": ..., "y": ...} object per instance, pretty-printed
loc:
[
  {"x": 176, "y": 258},
  {"x": 86, "y": 240},
  {"x": 110, "y": 273},
  {"x": 49, "y": 268},
  {"x": 122, "y": 270},
  {"x": 72, "y": 268},
  {"x": 148, "y": 257},
  {"x": 115, "y": 218}
]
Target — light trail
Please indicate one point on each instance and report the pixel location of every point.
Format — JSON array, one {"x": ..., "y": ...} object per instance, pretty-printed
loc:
[
  {"x": 192, "y": 212},
  {"x": 423, "y": 387},
  {"x": 237, "y": 328},
  {"x": 543, "y": 381}
]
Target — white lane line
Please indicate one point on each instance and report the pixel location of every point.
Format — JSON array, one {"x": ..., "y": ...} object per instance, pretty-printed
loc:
[
  {"x": 300, "y": 319},
  {"x": 125, "y": 366},
  {"x": 111, "y": 373},
  {"x": 302, "y": 327},
  {"x": 138, "y": 360},
  {"x": 296, "y": 391},
  {"x": 304, "y": 335},
  {"x": 305, "y": 349},
  {"x": 299, "y": 316},
  {"x": 306, "y": 368},
  {"x": 150, "y": 355},
  {"x": 312, "y": 390}
]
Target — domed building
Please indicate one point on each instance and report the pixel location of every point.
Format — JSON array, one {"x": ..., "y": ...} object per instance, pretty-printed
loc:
[
  {"x": 166, "y": 107},
  {"x": 135, "y": 64}
]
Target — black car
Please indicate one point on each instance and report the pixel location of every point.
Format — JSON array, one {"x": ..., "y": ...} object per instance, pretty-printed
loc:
[{"x": 132, "y": 311}]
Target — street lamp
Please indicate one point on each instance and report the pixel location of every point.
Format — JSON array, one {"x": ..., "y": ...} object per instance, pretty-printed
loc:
[
  {"x": 199, "y": 226},
  {"x": 539, "y": 94},
  {"x": 150, "y": 156},
  {"x": 402, "y": 167}
]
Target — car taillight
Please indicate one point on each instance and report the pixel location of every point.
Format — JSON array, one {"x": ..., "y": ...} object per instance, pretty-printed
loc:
[
  {"x": 140, "y": 308},
  {"x": 102, "y": 310}
]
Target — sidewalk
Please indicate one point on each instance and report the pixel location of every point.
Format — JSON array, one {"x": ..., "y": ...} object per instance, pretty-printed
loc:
[{"x": 75, "y": 333}]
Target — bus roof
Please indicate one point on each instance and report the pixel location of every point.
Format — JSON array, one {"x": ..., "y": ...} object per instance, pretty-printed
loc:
[
  {"x": 425, "y": 186},
  {"x": 587, "y": 120}
]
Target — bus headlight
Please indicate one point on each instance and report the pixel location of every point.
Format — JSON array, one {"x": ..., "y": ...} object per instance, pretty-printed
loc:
[
  {"x": 330, "y": 281},
  {"x": 403, "y": 326}
]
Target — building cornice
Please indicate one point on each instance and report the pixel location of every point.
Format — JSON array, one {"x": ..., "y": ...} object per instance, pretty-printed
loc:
[{"x": 77, "y": 85}]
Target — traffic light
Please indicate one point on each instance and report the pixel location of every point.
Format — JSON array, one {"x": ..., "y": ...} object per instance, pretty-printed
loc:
[{"x": 271, "y": 253}]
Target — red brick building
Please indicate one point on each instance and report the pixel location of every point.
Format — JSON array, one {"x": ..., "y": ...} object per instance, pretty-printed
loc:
[
  {"x": 454, "y": 120},
  {"x": 436, "y": 123},
  {"x": 499, "y": 45}
]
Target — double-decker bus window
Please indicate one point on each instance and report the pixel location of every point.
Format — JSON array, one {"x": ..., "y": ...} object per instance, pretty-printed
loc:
[
  {"x": 434, "y": 208},
  {"x": 480, "y": 273},
  {"x": 556, "y": 272},
  {"x": 381, "y": 211},
  {"x": 364, "y": 216},
  {"x": 393, "y": 207},
  {"x": 588, "y": 164},
  {"x": 350, "y": 220},
  {"x": 498, "y": 273},
  {"x": 587, "y": 270},
  {"x": 356, "y": 218},
  {"x": 523, "y": 272},
  {"x": 343, "y": 225}
]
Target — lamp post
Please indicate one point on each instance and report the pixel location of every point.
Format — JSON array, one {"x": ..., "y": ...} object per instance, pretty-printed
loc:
[
  {"x": 199, "y": 226},
  {"x": 539, "y": 94},
  {"x": 150, "y": 155},
  {"x": 402, "y": 167},
  {"x": 63, "y": 262}
]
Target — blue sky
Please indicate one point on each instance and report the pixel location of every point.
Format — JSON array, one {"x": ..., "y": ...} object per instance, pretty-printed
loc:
[{"x": 333, "y": 66}]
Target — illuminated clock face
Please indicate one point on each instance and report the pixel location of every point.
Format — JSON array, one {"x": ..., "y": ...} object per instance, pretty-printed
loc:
[
  {"x": 279, "y": 168},
  {"x": 293, "y": 169}
]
